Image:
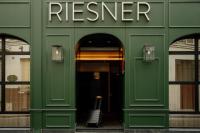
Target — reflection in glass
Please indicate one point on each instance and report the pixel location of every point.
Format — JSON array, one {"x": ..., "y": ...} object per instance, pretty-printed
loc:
[
  {"x": 199, "y": 98},
  {"x": 199, "y": 44},
  {"x": 182, "y": 97},
  {"x": 18, "y": 66},
  {"x": 14, "y": 120},
  {"x": 14, "y": 45},
  {"x": 0, "y": 97},
  {"x": 199, "y": 68},
  {"x": 17, "y": 97},
  {"x": 0, "y": 44},
  {"x": 181, "y": 68},
  {"x": 184, "y": 120},
  {"x": 0, "y": 68},
  {"x": 182, "y": 45}
]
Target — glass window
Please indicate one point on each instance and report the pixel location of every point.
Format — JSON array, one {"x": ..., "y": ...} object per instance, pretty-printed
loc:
[
  {"x": 15, "y": 77},
  {"x": 182, "y": 45},
  {"x": 199, "y": 98},
  {"x": 184, "y": 120},
  {"x": 14, "y": 45},
  {"x": 181, "y": 68},
  {"x": 0, "y": 44},
  {"x": 0, "y": 67},
  {"x": 199, "y": 69},
  {"x": 182, "y": 97},
  {"x": 14, "y": 120},
  {"x": 199, "y": 44},
  {"x": 183, "y": 85},
  {"x": 0, "y": 96},
  {"x": 17, "y": 68},
  {"x": 17, "y": 97}
]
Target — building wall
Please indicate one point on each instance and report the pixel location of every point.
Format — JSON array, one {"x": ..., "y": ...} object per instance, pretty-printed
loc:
[
  {"x": 140, "y": 109},
  {"x": 146, "y": 84},
  {"x": 53, "y": 84}
]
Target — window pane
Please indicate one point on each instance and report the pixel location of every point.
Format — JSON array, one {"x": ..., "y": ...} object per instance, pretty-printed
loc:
[
  {"x": 17, "y": 97},
  {"x": 182, "y": 97},
  {"x": 0, "y": 68},
  {"x": 199, "y": 44},
  {"x": 0, "y": 44},
  {"x": 199, "y": 68},
  {"x": 181, "y": 68},
  {"x": 0, "y": 96},
  {"x": 14, "y": 45},
  {"x": 199, "y": 98},
  {"x": 14, "y": 120},
  {"x": 184, "y": 120},
  {"x": 17, "y": 68},
  {"x": 182, "y": 45}
]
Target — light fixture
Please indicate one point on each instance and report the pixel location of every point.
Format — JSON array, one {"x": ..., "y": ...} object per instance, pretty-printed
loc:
[
  {"x": 148, "y": 53},
  {"x": 57, "y": 53}
]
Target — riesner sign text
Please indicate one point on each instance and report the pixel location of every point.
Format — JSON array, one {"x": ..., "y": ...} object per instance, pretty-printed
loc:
[{"x": 65, "y": 11}]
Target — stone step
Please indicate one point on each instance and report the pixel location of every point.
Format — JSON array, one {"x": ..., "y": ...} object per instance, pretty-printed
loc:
[{"x": 99, "y": 130}]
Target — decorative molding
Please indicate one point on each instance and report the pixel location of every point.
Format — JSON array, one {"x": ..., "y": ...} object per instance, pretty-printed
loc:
[
  {"x": 146, "y": 110},
  {"x": 63, "y": 116},
  {"x": 58, "y": 105},
  {"x": 18, "y": 2},
  {"x": 169, "y": 12},
  {"x": 184, "y": 1},
  {"x": 158, "y": 83},
  {"x": 40, "y": 110},
  {"x": 55, "y": 102},
  {"x": 146, "y": 105},
  {"x": 15, "y": 2},
  {"x": 158, "y": 92},
  {"x": 133, "y": 125},
  {"x": 58, "y": 35}
]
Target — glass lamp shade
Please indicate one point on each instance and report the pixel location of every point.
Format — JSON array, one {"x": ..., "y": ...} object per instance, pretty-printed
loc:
[
  {"x": 57, "y": 53},
  {"x": 149, "y": 53}
]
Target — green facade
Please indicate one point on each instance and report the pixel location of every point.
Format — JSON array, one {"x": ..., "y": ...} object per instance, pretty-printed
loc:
[{"x": 53, "y": 84}]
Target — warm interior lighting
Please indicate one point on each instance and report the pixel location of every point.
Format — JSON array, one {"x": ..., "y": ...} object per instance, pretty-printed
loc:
[
  {"x": 149, "y": 53},
  {"x": 100, "y": 55}
]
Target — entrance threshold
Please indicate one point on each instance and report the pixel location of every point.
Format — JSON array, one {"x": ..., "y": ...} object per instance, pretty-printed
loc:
[{"x": 107, "y": 129}]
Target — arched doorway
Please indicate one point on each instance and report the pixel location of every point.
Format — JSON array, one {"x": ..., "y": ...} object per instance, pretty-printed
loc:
[
  {"x": 184, "y": 77},
  {"x": 99, "y": 72}
]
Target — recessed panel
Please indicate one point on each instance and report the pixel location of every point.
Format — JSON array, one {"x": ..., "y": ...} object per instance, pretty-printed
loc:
[
  {"x": 57, "y": 81},
  {"x": 147, "y": 120},
  {"x": 59, "y": 120},
  {"x": 184, "y": 14},
  {"x": 147, "y": 83},
  {"x": 15, "y": 14}
]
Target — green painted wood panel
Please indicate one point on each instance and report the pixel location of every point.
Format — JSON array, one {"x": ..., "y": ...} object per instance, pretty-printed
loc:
[
  {"x": 145, "y": 83},
  {"x": 17, "y": 14},
  {"x": 57, "y": 73},
  {"x": 36, "y": 67},
  {"x": 146, "y": 78},
  {"x": 150, "y": 120},
  {"x": 59, "y": 120},
  {"x": 184, "y": 13}
]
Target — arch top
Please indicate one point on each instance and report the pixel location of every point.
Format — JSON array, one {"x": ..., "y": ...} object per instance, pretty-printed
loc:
[
  {"x": 12, "y": 37},
  {"x": 99, "y": 46},
  {"x": 189, "y": 36},
  {"x": 100, "y": 40}
]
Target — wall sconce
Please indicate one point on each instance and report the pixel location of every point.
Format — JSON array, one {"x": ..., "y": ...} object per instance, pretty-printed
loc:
[
  {"x": 57, "y": 53},
  {"x": 148, "y": 53}
]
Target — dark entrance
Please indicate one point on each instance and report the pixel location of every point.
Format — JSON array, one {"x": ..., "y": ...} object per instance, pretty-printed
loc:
[{"x": 99, "y": 72}]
